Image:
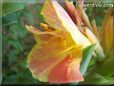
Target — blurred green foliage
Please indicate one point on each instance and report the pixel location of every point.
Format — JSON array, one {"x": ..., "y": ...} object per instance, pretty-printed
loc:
[{"x": 17, "y": 42}]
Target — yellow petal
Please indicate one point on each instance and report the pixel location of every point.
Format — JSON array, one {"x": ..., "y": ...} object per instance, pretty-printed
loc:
[
  {"x": 108, "y": 32},
  {"x": 50, "y": 16},
  {"x": 58, "y": 18},
  {"x": 45, "y": 27},
  {"x": 41, "y": 35}
]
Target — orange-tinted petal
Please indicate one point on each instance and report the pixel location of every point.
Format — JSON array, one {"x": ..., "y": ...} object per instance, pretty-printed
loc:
[
  {"x": 45, "y": 55},
  {"x": 50, "y": 16},
  {"x": 70, "y": 9},
  {"x": 67, "y": 70},
  {"x": 84, "y": 15},
  {"x": 59, "y": 73},
  {"x": 73, "y": 13}
]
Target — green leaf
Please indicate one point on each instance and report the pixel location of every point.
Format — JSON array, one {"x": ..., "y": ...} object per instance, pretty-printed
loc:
[
  {"x": 87, "y": 54},
  {"x": 9, "y": 19},
  {"x": 106, "y": 68},
  {"x": 98, "y": 79},
  {"x": 11, "y": 79},
  {"x": 9, "y": 6}
]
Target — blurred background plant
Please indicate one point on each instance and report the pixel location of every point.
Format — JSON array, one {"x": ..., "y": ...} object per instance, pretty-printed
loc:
[{"x": 17, "y": 42}]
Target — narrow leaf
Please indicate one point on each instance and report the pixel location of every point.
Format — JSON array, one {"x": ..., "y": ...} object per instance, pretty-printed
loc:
[
  {"x": 9, "y": 19},
  {"x": 87, "y": 55}
]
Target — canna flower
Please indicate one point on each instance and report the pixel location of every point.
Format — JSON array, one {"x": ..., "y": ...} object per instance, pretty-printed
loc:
[{"x": 57, "y": 54}]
